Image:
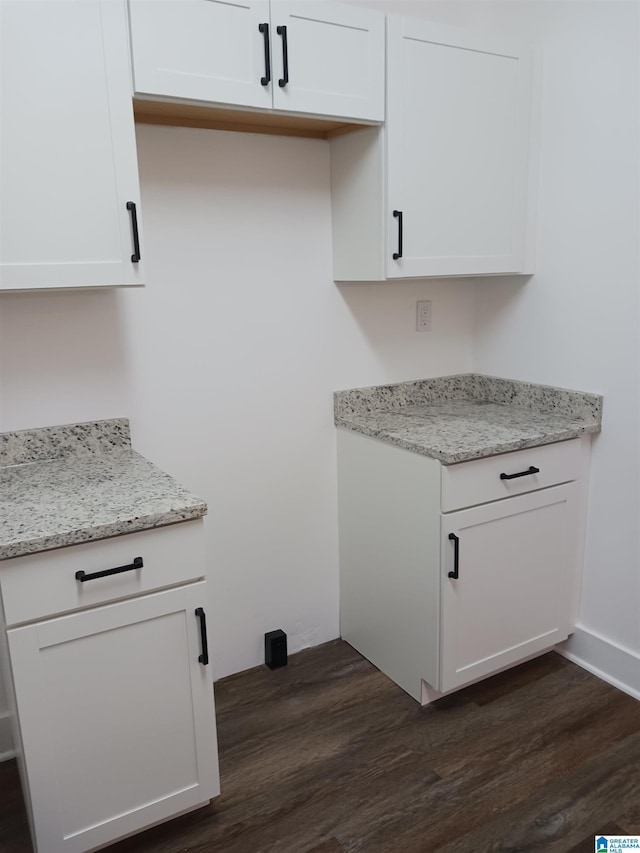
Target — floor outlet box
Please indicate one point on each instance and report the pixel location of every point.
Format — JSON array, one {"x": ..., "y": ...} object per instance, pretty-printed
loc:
[{"x": 275, "y": 649}]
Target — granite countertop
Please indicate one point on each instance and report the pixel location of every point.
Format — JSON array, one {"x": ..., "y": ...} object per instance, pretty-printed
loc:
[
  {"x": 64, "y": 485},
  {"x": 469, "y": 416}
]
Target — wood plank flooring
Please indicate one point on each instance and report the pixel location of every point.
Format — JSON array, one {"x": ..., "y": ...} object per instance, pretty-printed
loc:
[{"x": 328, "y": 756}]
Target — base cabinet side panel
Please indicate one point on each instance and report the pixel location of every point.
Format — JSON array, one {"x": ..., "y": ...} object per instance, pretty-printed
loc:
[
  {"x": 389, "y": 585},
  {"x": 117, "y": 718}
]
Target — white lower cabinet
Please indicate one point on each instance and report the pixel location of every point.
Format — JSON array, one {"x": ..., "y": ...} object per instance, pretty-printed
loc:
[
  {"x": 447, "y": 598},
  {"x": 114, "y": 713}
]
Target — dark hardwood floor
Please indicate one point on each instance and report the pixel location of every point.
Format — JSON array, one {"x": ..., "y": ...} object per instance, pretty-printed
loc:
[{"x": 328, "y": 755}]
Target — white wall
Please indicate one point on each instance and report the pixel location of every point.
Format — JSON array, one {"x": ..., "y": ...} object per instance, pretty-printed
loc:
[{"x": 226, "y": 363}]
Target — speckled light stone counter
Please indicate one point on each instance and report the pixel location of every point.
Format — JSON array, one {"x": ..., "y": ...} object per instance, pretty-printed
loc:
[
  {"x": 458, "y": 418},
  {"x": 69, "y": 484}
]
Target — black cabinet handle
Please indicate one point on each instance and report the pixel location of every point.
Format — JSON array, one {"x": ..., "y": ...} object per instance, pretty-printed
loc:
[
  {"x": 398, "y": 215},
  {"x": 531, "y": 470},
  {"x": 130, "y": 567},
  {"x": 282, "y": 82},
  {"x": 204, "y": 657},
  {"x": 264, "y": 29},
  {"x": 131, "y": 206},
  {"x": 456, "y": 555}
]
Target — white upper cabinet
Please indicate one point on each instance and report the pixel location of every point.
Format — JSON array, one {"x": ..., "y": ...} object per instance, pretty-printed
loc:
[
  {"x": 448, "y": 187},
  {"x": 69, "y": 175},
  {"x": 334, "y": 59},
  {"x": 201, "y": 50},
  {"x": 458, "y": 144},
  {"x": 304, "y": 57}
]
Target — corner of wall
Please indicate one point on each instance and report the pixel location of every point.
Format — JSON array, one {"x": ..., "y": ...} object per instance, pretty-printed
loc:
[{"x": 605, "y": 659}]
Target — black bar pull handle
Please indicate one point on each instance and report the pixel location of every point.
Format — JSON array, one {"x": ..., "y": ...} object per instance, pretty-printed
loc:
[
  {"x": 204, "y": 657},
  {"x": 131, "y": 207},
  {"x": 398, "y": 215},
  {"x": 282, "y": 82},
  {"x": 531, "y": 470},
  {"x": 130, "y": 567},
  {"x": 264, "y": 29},
  {"x": 456, "y": 555}
]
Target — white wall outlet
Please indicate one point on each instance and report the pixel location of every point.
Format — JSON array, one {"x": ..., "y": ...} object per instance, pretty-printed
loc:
[{"x": 423, "y": 316}]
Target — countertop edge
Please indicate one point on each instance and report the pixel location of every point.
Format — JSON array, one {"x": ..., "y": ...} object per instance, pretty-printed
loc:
[
  {"x": 108, "y": 531},
  {"x": 492, "y": 450}
]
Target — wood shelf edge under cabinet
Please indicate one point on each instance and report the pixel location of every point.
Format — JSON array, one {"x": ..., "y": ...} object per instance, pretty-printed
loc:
[{"x": 217, "y": 118}]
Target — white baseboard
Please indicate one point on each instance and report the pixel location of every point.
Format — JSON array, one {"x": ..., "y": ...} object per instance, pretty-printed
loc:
[
  {"x": 6, "y": 741},
  {"x": 610, "y": 662}
]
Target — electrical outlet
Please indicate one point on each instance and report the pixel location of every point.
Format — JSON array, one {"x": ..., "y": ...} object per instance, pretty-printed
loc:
[{"x": 423, "y": 316}]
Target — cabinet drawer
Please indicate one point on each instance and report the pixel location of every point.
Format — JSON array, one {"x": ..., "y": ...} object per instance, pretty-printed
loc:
[
  {"x": 41, "y": 585},
  {"x": 480, "y": 481}
]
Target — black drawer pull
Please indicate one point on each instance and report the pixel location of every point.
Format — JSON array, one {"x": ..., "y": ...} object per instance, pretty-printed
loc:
[
  {"x": 398, "y": 215},
  {"x": 204, "y": 657},
  {"x": 130, "y": 567},
  {"x": 456, "y": 555},
  {"x": 264, "y": 29},
  {"x": 531, "y": 470},
  {"x": 282, "y": 82},
  {"x": 131, "y": 207}
]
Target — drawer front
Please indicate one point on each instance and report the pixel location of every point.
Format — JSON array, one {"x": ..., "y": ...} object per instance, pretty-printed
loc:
[
  {"x": 480, "y": 481},
  {"x": 45, "y": 584}
]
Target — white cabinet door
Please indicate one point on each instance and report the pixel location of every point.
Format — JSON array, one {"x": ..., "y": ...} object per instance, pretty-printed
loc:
[
  {"x": 117, "y": 720},
  {"x": 334, "y": 59},
  {"x": 69, "y": 164},
  {"x": 511, "y": 598},
  {"x": 304, "y": 57},
  {"x": 458, "y": 124},
  {"x": 201, "y": 50}
]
